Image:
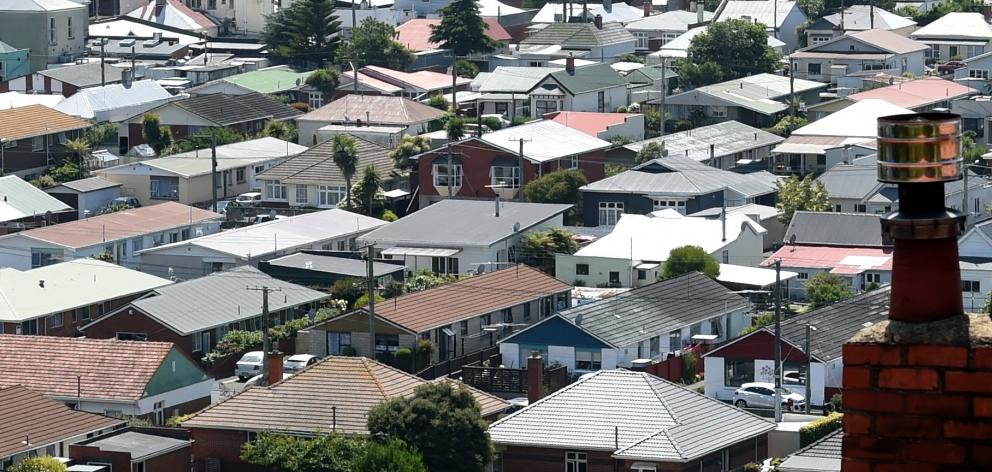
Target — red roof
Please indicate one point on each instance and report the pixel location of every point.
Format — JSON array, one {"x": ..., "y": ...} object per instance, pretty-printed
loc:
[
  {"x": 27, "y": 414},
  {"x": 415, "y": 34},
  {"x": 588, "y": 122},
  {"x": 917, "y": 93},
  {"x": 424, "y": 80},
  {"x": 838, "y": 260}
]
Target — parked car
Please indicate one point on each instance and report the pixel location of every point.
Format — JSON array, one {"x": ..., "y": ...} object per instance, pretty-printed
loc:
[
  {"x": 794, "y": 377},
  {"x": 249, "y": 365},
  {"x": 130, "y": 202},
  {"x": 297, "y": 362},
  {"x": 249, "y": 199},
  {"x": 949, "y": 67},
  {"x": 762, "y": 395}
]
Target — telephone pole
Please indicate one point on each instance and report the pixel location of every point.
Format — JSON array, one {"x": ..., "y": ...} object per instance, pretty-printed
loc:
[
  {"x": 664, "y": 92},
  {"x": 520, "y": 165},
  {"x": 264, "y": 380},
  {"x": 778, "y": 341},
  {"x": 371, "y": 282},
  {"x": 809, "y": 365},
  {"x": 103, "y": 70},
  {"x": 213, "y": 167}
]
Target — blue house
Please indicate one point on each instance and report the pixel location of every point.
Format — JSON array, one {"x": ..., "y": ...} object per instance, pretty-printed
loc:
[
  {"x": 558, "y": 340},
  {"x": 14, "y": 62}
]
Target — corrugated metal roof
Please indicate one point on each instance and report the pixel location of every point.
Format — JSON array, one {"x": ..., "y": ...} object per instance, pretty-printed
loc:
[
  {"x": 546, "y": 140},
  {"x": 955, "y": 25},
  {"x": 315, "y": 166},
  {"x": 845, "y": 260},
  {"x": 838, "y": 323},
  {"x": 727, "y": 138},
  {"x": 38, "y": 5},
  {"x": 229, "y": 156},
  {"x": 589, "y": 78},
  {"x": 851, "y": 181},
  {"x": 646, "y": 417},
  {"x": 508, "y": 79},
  {"x": 374, "y": 109},
  {"x": 20, "y": 199},
  {"x": 137, "y": 445},
  {"x": 86, "y": 75},
  {"x": 868, "y": 17},
  {"x": 835, "y": 229},
  {"x": 761, "y": 92},
  {"x": 89, "y": 184},
  {"x": 821, "y": 456},
  {"x": 857, "y": 120},
  {"x": 86, "y": 103},
  {"x": 758, "y": 11},
  {"x": 676, "y": 20},
  {"x": 680, "y": 176},
  {"x": 334, "y": 265},
  {"x": 917, "y": 93},
  {"x": 618, "y": 11},
  {"x": 225, "y": 110},
  {"x": 582, "y": 35}
]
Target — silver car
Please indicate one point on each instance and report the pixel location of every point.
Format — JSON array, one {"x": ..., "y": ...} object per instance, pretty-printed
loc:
[
  {"x": 762, "y": 395},
  {"x": 296, "y": 363},
  {"x": 249, "y": 365}
]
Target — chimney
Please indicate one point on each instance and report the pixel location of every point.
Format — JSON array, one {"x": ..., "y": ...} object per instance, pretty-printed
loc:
[
  {"x": 127, "y": 77},
  {"x": 598, "y": 21},
  {"x": 987, "y": 12},
  {"x": 700, "y": 8},
  {"x": 712, "y": 153},
  {"x": 647, "y": 8},
  {"x": 570, "y": 64},
  {"x": 918, "y": 386},
  {"x": 535, "y": 377},
  {"x": 275, "y": 367}
]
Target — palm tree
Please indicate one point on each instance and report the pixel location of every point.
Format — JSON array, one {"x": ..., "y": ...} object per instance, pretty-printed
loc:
[
  {"x": 369, "y": 186},
  {"x": 346, "y": 158},
  {"x": 78, "y": 148},
  {"x": 455, "y": 128}
]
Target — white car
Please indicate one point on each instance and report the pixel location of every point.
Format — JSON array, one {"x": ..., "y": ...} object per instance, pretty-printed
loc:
[
  {"x": 249, "y": 365},
  {"x": 298, "y": 362},
  {"x": 249, "y": 199},
  {"x": 762, "y": 395}
]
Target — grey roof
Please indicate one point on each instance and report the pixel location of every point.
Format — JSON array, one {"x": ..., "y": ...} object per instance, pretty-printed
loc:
[
  {"x": 89, "y": 184},
  {"x": 19, "y": 199},
  {"x": 142, "y": 47},
  {"x": 334, "y": 265},
  {"x": 514, "y": 79},
  {"x": 762, "y": 93},
  {"x": 675, "y": 20},
  {"x": 836, "y": 324},
  {"x": 581, "y": 35},
  {"x": 634, "y": 415},
  {"x": 821, "y": 456},
  {"x": 835, "y": 229},
  {"x": 85, "y": 75},
  {"x": 139, "y": 445},
  {"x": 227, "y": 110},
  {"x": 316, "y": 166},
  {"x": 460, "y": 223},
  {"x": 727, "y": 138},
  {"x": 219, "y": 299},
  {"x": 851, "y": 181},
  {"x": 589, "y": 78},
  {"x": 680, "y": 176},
  {"x": 39, "y": 5},
  {"x": 655, "y": 309},
  {"x": 864, "y": 17}
]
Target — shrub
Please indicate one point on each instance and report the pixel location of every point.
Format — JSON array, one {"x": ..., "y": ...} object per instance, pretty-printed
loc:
[
  {"x": 177, "y": 421},
  {"x": 816, "y": 430},
  {"x": 388, "y": 215},
  {"x": 439, "y": 102},
  {"x": 689, "y": 361},
  {"x": 837, "y": 402},
  {"x": 519, "y": 120},
  {"x": 752, "y": 467},
  {"x": 492, "y": 123},
  {"x": 403, "y": 359},
  {"x": 349, "y": 351},
  {"x": 300, "y": 106},
  {"x": 39, "y": 464},
  {"x": 348, "y": 290},
  {"x": 236, "y": 342},
  {"x": 424, "y": 350},
  {"x": 364, "y": 300}
]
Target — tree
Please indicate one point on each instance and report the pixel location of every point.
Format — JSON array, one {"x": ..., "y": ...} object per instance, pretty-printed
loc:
[
  {"x": 323, "y": 453},
  {"x": 348, "y": 290},
  {"x": 283, "y": 130},
  {"x": 540, "y": 247},
  {"x": 275, "y": 35},
  {"x": 39, "y": 464},
  {"x": 305, "y": 33},
  {"x": 326, "y": 81},
  {"x": 825, "y": 288},
  {"x": 692, "y": 75},
  {"x": 787, "y": 125},
  {"x": 738, "y": 47},
  {"x": 346, "y": 158},
  {"x": 442, "y": 421},
  {"x": 648, "y": 152},
  {"x": 812, "y": 8},
  {"x": 455, "y": 128},
  {"x": 368, "y": 190},
  {"x": 685, "y": 259},
  {"x": 373, "y": 43},
  {"x": 408, "y": 147},
  {"x": 392, "y": 455},
  {"x": 465, "y": 68},
  {"x": 439, "y": 102},
  {"x": 462, "y": 29},
  {"x": 157, "y": 136},
  {"x": 78, "y": 149},
  {"x": 423, "y": 280},
  {"x": 629, "y": 57},
  {"x": 560, "y": 186},
  {"x": 795, "y": 194}
]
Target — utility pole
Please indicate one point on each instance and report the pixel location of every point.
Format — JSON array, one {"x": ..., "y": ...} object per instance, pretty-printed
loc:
[
  {"x": 520, "y": 165},
  {"x": 454, "y": 83},
  {"x": 213, "y": 166},
  {"x": 354, "y": 21},
  {"x": 664, "y": 92},
  {"x": 451, "y": 171},
  {"x": 778, "y": 341},
  {"x": 103, "y": 71},
  {"x": 964, "y": 199},
  {"x": 371, "y": 282},
  {"x": 809, "y": 365},
  {"x": 264, "y": 380}
]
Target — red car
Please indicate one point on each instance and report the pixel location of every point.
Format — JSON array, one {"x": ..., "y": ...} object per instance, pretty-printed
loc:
[{"x": 949, "y": 67}]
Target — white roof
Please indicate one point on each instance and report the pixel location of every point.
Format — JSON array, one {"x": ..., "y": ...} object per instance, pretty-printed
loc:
[
  {"x": 67, "y": 285},
  {"x": 20, "y": 199},
  {"x": 620, "y": 12},
  {"x": 760, "y": 11},
  {"x": 654, "y": 237},
  {"x": 280, "y": 235},
  {"x": 38, "y": 5},
  {"x": 122, "y": 28},
  {"x": 763, "y": 212},
  {"x": 496, "y": 8},
  {"x": 754, "y": 276},
  {"x": 10, "y": 100},
  {"x": 676, "y": 20},
  {"x": 956, "y": 25},
  {"x": 679, "y": 46},
  {"x": 857, "y": 120},
  {"x": 86, "y": 103},
  {"x": 546, "y": 140},
  {"x": 229, "y": 156}
]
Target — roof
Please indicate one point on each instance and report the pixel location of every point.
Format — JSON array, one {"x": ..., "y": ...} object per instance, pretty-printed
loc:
[
  {"x": 269, "y": 80},
  {"x": 229, "y": 156},
  {"x": 225, "y": 110},
  {"x": 315, "y": 166},
  {"x": 20, "y": 199},
  {"x": 415, "y": 34},
  {"x": 581, "y": 35},
  {"x": 635, "y": 415},
  {"x": 546, "y": 140},
  {"x": 106, "y": 369},
  {"x": 18, "y": 99},
  {"x": 509, "y": 79},
  {"x": 756, "y": 92},
  {"x": 835, "y": 229},
  {"x": 62, "y": 287},
  {"x": 955, "y": 25},
  {"x": 588, "y": 122},
  {"x": 174, "y": 14},
  {"x": 675, "y": 20},
  {"x": 681, "y": 176},
  {"x": 333, "y": 395},
  {"x": 759, "y": 11},
  {"x": 887, "y": 41},
  {"x": 277, "y": 236},
  {"x": 823, "y": 455},
  {"x": 38, "y": 5},
  {"x": 219, "y": 299},
  {"x": 589, "y": 78},
  {"x": 917, "y": 93},
  {"x": 619, "y": 11},
  {"x": 374, "y": 109},
  {"x": 86, "y": 103},
  {"x": 27, "y": 414},
  {"x": 461, "y": 223},
  {"x": 85, "y": 75},
  {"x": 761, "y": 212},
  {"x": 139, "y": 446},
  {"x": 36, "y": 120},
  {"x": 423, "y": 80},
  {"x": 857, "y": 120},
  {"x": 89, "y": 184},
  {"x": 727, "y": 138},
  {"x": 495, "y": 8},
  {"x": 838, "y": 323},
  {"x": 751, "y": 276},
  {"x": 844, "y": 261},
  {"x": 334, "y": 265},
  {"x": 125, "y": 26},
  {"x": 118, "y": 225},
  {"x": 851, "y": 181},
  {"x": 468, "y": 298},
  {"x": 365, "y": 80},
  {"x": 866, "y": 18}
]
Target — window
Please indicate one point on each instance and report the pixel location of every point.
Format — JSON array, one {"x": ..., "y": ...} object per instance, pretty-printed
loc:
[
  {"x": 84, "y": 313},
  {"x": 813, "y": 69},
  {"x": 275, "y": 191},
  {"x": 527, "y": 312},
  {"x": 316, "y": 99},
  {"x": 43, "y": 256},
  {"x": 860, "y": 208},
  {"x": 38, "y": 143},
  {"x": 163, "y": 188},
  {"x": 974, "y": 51},
  {"x": 444, "y": 265},
  {"x": 159, "y": 408},
  {"x": 873, "y": 278},
  {"x": 502, "y": 108},
  {"x": 239, "y": 175},
  {"x": 137, "y": 244},
  {"x": 329, "y": 195},
  {"x": 737, "y": 372},
  {"x": 718, "y": 111},
  {"x": 726, "y": 257},
  {"x": 642, "y": 274},
  {"x": 588, "y": 360},
  {"x": 463, "y": 327},
  {"x": 978, "y": 74},
  {"x": 337, "y": 342},
  {"x": 715, "y": 326},
  {"x": 546, "y": 106},
  {"x": 581, "y": 269},
  {"x": 952, "y": 51},
  {"x": 485, "y": 320},
  {"x": 837, "y": 208},
  {"x": 57, "y": 320},
  {"x": 29, "y": 327},
  {"x": 661, "y": 204},
  {"x": 971, "y": 286},
  {"x": 573, "y": 161},
  {"x": 675, "y": 340},
  {"x": 615, "y": 279},
  {"x": 601, "y": 101},
  {"x": 576, "y": 462},
  {"x": 196, "y": 343},
  {"x": 934, "y": 51},
  {"x": 105, "y": 308},
  {"x": 68, "y": 29},
  {"x": 508, "y": 177},
  {"x": 51, "y": 31},
  {"x": 301, "y": 194},
  {"x": 609, "y": 213},
  {"x": 206, "y": 341},
  {"x": 386, "y": 343},
  {"x": 643, "y": 467},
  {"x": 441, "y": 175},
  {"x": 655, "y": 343},
  {"x": 642, "y": 40},
  {"x": 802, "y": 275},
  {"x": 507, "y": 315},
  {"x": 173, "y": 237}
]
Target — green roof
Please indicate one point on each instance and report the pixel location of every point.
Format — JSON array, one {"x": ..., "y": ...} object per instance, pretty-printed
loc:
[
  {"x": 271, "y": 80},
  {"x": 589, "y": 78}
]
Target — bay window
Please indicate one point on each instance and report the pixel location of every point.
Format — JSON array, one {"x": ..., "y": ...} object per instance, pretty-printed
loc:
[{"x": 507, "y": 177}]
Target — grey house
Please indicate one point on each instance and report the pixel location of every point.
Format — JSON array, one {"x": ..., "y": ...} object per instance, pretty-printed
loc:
[{"x": 54, "y": 30}]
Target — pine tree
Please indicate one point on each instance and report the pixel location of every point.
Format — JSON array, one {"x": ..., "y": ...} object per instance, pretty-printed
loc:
[
  {"x": 312, "y": 32},
  {"x": 462, "y": 29}
]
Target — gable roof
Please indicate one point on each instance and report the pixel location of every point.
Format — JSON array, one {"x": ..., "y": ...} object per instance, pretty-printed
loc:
[
  {"x": 334, "y": 395},
  {"x": 229, "y": 156},
  {"x": 865, "y": 18},
  {"x": 851, "y": 181},
  {"x": 39, "y": 5},
  {"x": 510, "y": 79},
  {"x": 43, "y": 421},
  {"x": 175, "y": 14},
  {"x": 675, "y": 20},
  {"x": 588, "y": 122},
  {"x": 727, "y": 138},
  {"x": 618, "y": 11},
  {"x": 885, "y": 40},
  {"x": 835, "y": 229},
  {"x": 957, "y": 25},
  {"x": 467, "y": 298},
  {"x": 85, "y": 75},
  {"x": 857, "y": 120},
  {"x": 838, "y": 323},
  {"x": 917, "y": 93},
  {"x": 589, "y": 78},
  {"x": 87, "y": 102},
  {"x": 685, "y": 177},
  {"x": 821, "y": 456},
  {"x": 759, "y": 11},
  {"x": 374, "y": 109},
  {"x": 545, "y": 140},
  {"x": 316, "y": 166},
  {"x": 20, "y": 199},
  {"x": 36, "y": 120},
  {"x": 423, "y": 81},
  {"x": 635, "y": 415},
  {"x": 316, "y": 262},
  {"x": 10, "y": 100},
  {"x": 106, "y": 369},
  {"x": 845, "y": 261},
  {"x": 654, "y": 309},
  {"x": 89, "y": 184},
  {"x": 581, "y": 35},
  {"x": 270, "y": 79},
  {"x": 759, "y": 92},
  {"x": 226, "y": 110},
  {"x": 561, "y": 329},
  {"x": 415, "y": 34}
]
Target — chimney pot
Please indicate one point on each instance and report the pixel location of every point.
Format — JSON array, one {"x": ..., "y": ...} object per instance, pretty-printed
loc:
[
  {"x": 535, "y": 377},
  {"x": 275, "y": 367}
]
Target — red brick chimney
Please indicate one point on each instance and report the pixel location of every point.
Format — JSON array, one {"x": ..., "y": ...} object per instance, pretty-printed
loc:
[
  {"x": 535, "y": 377},
  {"x": 275, "y": 367},
  {"x": 647, "y": 8},
  {"x": 918, "y": 386},
  {"x": 570, "y": 64}
]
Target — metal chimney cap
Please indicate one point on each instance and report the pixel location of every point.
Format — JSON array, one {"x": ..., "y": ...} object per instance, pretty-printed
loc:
[{"x": 919, "y": 147}]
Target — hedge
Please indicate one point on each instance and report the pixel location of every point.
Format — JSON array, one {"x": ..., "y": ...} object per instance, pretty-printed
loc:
[{"x": 818, "y": 429}]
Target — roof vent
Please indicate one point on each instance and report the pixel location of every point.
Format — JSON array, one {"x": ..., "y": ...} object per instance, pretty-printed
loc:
[{"x": 41, "y": 283}]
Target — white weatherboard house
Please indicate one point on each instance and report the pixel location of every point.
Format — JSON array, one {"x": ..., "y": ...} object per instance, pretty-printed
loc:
[
  {"x": 956, "y": 35},
  {"x": 781, "y": 18}
]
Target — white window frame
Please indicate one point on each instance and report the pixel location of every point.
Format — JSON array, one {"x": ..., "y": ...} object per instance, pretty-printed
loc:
[
  {"x": 978, "y": 74},
  {"x": 275, "y": 191},
  {"x": 504, "y": 176},
  {"x": 873, "y": 278},
  {"x": 436, "y": 173},
  {"x": 57, "y": 320},
  {"x": 328, "y": 193},
  {"x": 197, "y": 343},
  {"x": 642, "y": 39},
  {"x": 53, "y": 38},
  {"x": 610, "y": 212},
  {"x": 304, "y": 192},
  {"x": 663, "y": 203},
  {"x": 576, "y": 461},
  {"x": 315, "y": 99}
]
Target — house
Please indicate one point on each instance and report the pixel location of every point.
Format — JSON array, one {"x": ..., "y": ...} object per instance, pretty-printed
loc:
[
  {"x": 48, "y": 427},
  {"x": 463, "y": 236},
  {"x": 975, "y": 252},
  {"x": 340, "y": 391},
  {"x": 313, "y": 268},
  {"x": 413, "y": 85},
  {"x": 151, "y": 380},
  {"x": 758, "y": 100},
  {"x": 782, "y": 19},
  {"x": 680, "y": 184},
  {"x": 68, "y": 79},
  {"x": 88, "y": 196},
  {"x": 187, "y": 177},
  {"x": 956, "y": 35},
  {"x": 648, "y": 82},
  {"x": 866, "y": 52},
  {"x": 679, "y": 47},
  {"x": 634, "y": 253},
  {"x": 275, "y": 80},
  {"x": 245, "y": 114},
  {"x": 54, "y": 31},
  {"x": 14, "y": 62},
  {"x": 368, "y": 110},
  {"x": 559, "y": 341},
  {"x": 155, "y": 49},
  {"x": 195, "y": 314},
  {"x": 415, "y": 35},
  {"x": 766, "y": 216},
  {"x": 10, "y": 100},
  {"x": 174, "y": 14},
  {"x": 751, "y": 358},
  {"x": 855, "y": 19},
  {"x": 25, "y": 206},
  {"x": 148, "y": 449},
  {"x": 920, "y": 95},
  {"x": 115, "y": 102},
  {"x": 624, "y": 420},
  {"x": 823, "y": 455},
  {"x": 328, "y": 230},
  {"x": 578, "y": 12},
  {"x": 723, "y": 145},
  {"x": 536, "y": 91},
  {"x": 113, "y": 26},
  {"x": 653, "y": 32},
  {"x": 812, "y": 228},
  {"x": 808, "y": 149},
  {"x": 601, "y": 41},
  {"x": 312, "y": 179},
  {"x": 604, "y": 126},
  {"x": 975, "y": 111},
  {"x": 120, "y": 234},
  {"x": 490, "y": 166},
  {"x": 54, "y": 300},
  {"x": 32, "y": 138},
  {"x": 858, "y": 266}
]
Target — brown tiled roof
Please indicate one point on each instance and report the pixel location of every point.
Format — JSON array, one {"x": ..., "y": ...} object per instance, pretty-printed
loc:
[
  {"x": 316, "y": 166},
  {"x": 120, "y": 225},
  {"x": 471, "y": 297},
  {"x": 36, "y": 120},
  {"x": 303, "y": 403},
  {"x": 374, "y": 109},
  {"x": 32, "y": 417},
  {"x": 106, "y": 368}
]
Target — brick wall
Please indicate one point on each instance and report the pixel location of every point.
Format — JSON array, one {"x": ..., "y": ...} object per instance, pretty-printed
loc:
[
  {"x": 918, "y": 396},
  {"x": 222, "y": 445}
]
